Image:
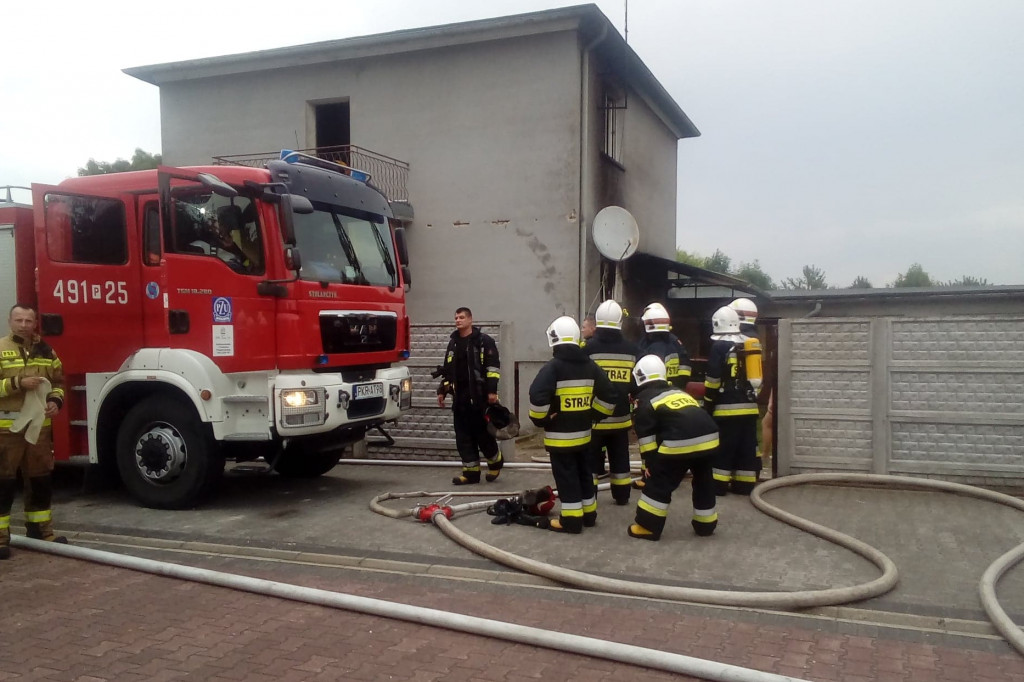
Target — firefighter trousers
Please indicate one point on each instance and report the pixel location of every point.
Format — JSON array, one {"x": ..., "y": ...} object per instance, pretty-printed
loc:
[
  {"x": 36, "y": 464},
  {"x": 616, "y": 442},
  {"x": 472, "y": 438},
  {"x": 575, "y": 483},
  {"x": 737, "y": 466},
  {"x": 666, "y": 473}
]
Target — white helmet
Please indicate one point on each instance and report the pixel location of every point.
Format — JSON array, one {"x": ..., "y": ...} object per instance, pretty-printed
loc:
[
  {"x": 655, "y": 318},
  {"x": 563, "y": 330},
  {"x": 609, "y": 315},
  {"x": 649, "y": 368},
  {"x": 725, "y": 321},
  {"x": 746, "y": 309}
]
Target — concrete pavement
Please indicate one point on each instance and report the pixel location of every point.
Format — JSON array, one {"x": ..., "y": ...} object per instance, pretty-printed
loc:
[{"x": 321, "y": 533}]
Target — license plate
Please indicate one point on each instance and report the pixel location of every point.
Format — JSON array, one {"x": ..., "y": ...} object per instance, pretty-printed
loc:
[{"x": 360, "y": 391}]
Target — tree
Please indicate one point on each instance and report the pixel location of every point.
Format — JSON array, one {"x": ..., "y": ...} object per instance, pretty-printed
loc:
[
  {"x": 861, "y": 282},
  {"x": 968, "y": 281},
  {"x": 813, "y": 278},
  {"x": 141, "y": 160},
  {"x": 718, "y": 262},
  {"x": 694, "y": 259},
  {"x": 915, "y": 276},
  {"x": 752, "y": 272}
]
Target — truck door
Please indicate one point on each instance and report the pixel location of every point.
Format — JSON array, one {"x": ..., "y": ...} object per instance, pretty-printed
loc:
[
  {"x": 214, "y": 258},
  {"x": 88, "y": 281}
]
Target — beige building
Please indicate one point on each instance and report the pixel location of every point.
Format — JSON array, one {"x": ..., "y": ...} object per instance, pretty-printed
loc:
[{"x": 501, "y": 138}]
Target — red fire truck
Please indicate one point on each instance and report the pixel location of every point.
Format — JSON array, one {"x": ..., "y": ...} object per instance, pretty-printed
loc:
[{"x": 217, "y": 313}]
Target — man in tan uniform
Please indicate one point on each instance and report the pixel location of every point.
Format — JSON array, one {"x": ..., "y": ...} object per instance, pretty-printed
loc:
[{"x": 28, "y": 365}]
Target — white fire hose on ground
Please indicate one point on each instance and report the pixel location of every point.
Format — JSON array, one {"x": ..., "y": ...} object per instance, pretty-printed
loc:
[
  {"x": 766, "y": 600},
  {"x": 587, "y": 646}
]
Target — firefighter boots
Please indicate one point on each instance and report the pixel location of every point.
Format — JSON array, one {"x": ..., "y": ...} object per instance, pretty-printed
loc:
[
  {"x": 44, "y": 531},
  {"x": 638, "y": 531}
]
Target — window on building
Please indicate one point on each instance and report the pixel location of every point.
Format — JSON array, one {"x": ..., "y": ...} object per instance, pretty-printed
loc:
[
  {"x": 614, "y": 109},
  {"x": 86, "y": 230}
]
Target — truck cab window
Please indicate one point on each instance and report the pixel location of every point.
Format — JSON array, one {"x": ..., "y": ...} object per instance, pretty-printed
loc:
[
  {"x": 86, "y": 230},
  {"x": 209, "y": 225},
  {"x": 342, "y": 246}
]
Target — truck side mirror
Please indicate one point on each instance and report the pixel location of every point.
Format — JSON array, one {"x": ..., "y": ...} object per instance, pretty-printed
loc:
[
  {"x": 403, "y": 248},
  {"x": 407, "y": 277},
  {"x": 289, "y": 205},
  {"x": 292, "y": 258}
]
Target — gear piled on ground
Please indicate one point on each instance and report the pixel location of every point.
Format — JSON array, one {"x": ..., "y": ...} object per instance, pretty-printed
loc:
[{"x": 527, "y": 509}]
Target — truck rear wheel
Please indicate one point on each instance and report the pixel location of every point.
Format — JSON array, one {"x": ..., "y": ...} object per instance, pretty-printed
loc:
[
  {"x": 296, "y": 461},
  {"x": 166, "y": 456}
]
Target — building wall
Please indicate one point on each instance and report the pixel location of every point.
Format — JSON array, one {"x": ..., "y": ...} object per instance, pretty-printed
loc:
[
  {"x": 492, "y": 135},
  {"x": 925, "y": 396}
]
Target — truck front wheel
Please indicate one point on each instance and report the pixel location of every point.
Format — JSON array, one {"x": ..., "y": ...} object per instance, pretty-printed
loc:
[{"x": 166, "y": 456}]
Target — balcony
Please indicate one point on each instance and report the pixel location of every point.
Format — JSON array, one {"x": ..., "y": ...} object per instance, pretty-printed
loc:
[{"x": 386, "y": 174}]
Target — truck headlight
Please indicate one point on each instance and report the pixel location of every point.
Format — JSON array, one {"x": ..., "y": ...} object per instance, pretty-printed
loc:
[
  {"x": 303, "y": 407},
  {"x": 405, "y": 402},
  {"x": 300, "y": 398}
]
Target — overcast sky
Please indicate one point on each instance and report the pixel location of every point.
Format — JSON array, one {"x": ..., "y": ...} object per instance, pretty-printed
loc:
[{"x": 859, "y": 136}]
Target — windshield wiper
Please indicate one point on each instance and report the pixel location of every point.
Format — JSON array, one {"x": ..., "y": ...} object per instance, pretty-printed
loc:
[
  {"x": 384, "y": 252},
  {"x": 346, "y": 244}
]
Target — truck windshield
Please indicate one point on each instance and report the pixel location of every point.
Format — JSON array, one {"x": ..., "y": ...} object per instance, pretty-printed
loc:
[{"x": 338, "y": 245}]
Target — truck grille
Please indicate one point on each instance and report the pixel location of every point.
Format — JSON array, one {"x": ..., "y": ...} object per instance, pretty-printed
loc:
[{"x": 358, "y": 332}]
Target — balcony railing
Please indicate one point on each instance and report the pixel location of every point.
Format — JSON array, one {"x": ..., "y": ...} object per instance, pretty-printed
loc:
[{"x": 386, "y": 174}]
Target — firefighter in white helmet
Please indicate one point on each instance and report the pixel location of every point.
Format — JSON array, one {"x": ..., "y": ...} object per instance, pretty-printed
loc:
[
  {"x": 616, "y": 356},
  {"x": 730, "y": 398},
  {"x": 747, "y": 312},
  {"x": 754, "y": 357},
  {"x": 569, "y": 393},
  {"x": 659, "y": 340},
  {"x": 675, "y": 436}
]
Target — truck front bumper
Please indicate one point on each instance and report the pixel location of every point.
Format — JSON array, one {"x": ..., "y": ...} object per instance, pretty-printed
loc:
[{"x": 306, "y": 404}]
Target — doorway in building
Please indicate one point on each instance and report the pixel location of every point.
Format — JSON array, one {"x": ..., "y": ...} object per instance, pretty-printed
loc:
[{"x": 333, "y": 130}]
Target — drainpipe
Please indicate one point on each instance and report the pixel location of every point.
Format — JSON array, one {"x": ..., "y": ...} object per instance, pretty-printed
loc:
[
  {"x": 584, "y": 161},
  {"x": 816, "y": 311}
]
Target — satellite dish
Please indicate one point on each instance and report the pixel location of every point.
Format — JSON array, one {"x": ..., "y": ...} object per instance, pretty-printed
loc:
[{"x": 616, "y": 234}]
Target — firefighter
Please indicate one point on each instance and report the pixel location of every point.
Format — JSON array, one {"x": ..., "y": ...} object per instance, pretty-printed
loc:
[
  {"x": 676, "y": 436},
  {"x": 747, "y": 312},
  {"x": 470, "y": 372},
  {"x": 30, "y": 372},
  {"x": 616, "y": 356},
  {"x": 569, "y": 393},
  {"x": 587, "y": 329},
  {"x": 730, "y": 398},
  {"x": 659, "y": 340}
]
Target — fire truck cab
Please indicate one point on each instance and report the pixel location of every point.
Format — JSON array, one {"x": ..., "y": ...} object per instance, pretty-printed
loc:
[{"x": 215, "y": 313}]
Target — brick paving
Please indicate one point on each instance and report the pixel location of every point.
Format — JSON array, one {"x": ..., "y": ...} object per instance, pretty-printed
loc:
[{"x": 99, "y": 623}]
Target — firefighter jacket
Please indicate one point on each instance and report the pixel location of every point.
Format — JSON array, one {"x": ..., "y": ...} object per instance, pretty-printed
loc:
[
  {"x": 471, "y": 368},
  {"x": 616, "y": 356},
  {"x": 669, "y": 421},
  {"x": 667, "y": 347},
  {"x": 568, "y": 395},
  {"x": 20, "y": 359},
  {"x": 727, "y": 392}
]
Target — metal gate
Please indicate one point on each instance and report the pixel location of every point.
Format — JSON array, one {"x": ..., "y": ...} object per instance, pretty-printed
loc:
[
  {"x": 426, "y": 431},
  {"x": 933, "y": 397}
]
